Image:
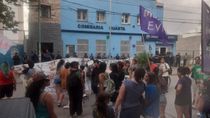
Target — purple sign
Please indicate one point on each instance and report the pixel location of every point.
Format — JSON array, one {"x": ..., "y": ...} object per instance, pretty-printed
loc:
[
  {"x": 205, "y": 40},
  {"x": 152, "y": 25}
]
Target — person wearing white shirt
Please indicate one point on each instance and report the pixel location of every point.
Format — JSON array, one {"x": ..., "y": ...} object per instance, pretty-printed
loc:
[{"x": 163, "y": 80}]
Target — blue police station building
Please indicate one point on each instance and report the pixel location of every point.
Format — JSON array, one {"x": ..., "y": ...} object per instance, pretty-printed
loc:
[{"x": 109, "y": 27}]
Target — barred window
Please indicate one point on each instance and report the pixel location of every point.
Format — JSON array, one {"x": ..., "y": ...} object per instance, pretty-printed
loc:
[
  {"x": 82, "y": 15},
  {"x": 125, "y": 47},
  {"x": 125, "y": 18},
  {"x": 45, "y": 11},
  {"x": 100, "y": 16},
  {"x": 82, "y": 47},
  {"x": 139, "y": 47},
  {"x": 101, "y": 46}
]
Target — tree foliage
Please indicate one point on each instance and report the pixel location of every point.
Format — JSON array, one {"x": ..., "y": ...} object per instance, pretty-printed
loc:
[
  {"x": 142, "y": 59},
  {"x": 7, "y": 15}
]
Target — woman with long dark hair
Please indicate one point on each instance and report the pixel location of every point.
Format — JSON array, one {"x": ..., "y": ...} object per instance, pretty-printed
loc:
[
  {"x": 42, "y": 101},
  {"x": 152, "y": 97},
  {"x": 102, "y": 110},
  {"x": 131, "y": 96},
  {"x": 114, "y": 75}
]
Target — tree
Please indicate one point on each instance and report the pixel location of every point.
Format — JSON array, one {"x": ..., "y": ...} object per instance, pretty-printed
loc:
[
  {"x": 7, "y": 15},
  {"x": 142, "y": 59}
]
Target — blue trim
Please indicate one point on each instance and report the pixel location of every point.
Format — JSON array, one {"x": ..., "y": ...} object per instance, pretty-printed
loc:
[
  {"x": 117, "y": 33},
  {"x": 120, "y": 33},
  {"x": 153, "y": 39}
]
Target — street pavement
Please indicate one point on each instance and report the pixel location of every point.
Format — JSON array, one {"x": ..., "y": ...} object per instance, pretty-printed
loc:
[{"x": 88, "y": 103}]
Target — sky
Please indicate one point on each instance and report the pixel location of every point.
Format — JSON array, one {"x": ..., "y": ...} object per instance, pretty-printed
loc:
[{"x": 182, "y": 16}]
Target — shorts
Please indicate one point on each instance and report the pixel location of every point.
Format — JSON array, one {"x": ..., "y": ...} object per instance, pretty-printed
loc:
[
  {"x": 163, "y": 99},
  {"x": 6, "y": 90}
]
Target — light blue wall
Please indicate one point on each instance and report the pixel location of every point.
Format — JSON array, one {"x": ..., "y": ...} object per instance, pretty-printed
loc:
[
  {"x": 71, "y": 32},
  {"x": 69, "y": 13}
]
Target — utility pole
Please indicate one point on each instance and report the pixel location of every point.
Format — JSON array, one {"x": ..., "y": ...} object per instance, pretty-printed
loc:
[
  {"x": 39, "y": 30},
  {"x": 110, "y": 27}
]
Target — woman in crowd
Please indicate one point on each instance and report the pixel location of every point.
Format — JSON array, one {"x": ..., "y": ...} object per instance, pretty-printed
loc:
[
  {"x": 203, "y": 104},
  {"x": 183, "y": 93},
  {"x": 57, "y": 81},
  {"x": 102, "y": 77},
  {"x": 131, "y": 96},
  {"x": 120, "y": 71},
  {"x": 64, "y": 75},
  {"x": 102, "y": 110},
  {"x": 197, "y": 77},
  {"x": 126, "y": 67},
  {"x": 152, "y": 97},
  {"x": 42, "y": 101},
  {"x": 7, "y": 81},
  {"x": 75, "y": 90},
  {"x": 163, "y": 80},
  {"x": 114, "y": 75}
]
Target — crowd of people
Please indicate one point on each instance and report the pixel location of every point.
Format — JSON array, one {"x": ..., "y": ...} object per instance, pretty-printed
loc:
[{"x": 122, "y": 89}]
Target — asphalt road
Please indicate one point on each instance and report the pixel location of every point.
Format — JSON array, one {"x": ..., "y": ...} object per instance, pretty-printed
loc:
[{"x": 87, "y": 105}]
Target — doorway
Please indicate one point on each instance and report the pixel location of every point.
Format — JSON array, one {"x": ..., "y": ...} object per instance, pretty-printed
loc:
[
  {"x": 70, "y": 49},
  {"x": 163, "y": 51}
]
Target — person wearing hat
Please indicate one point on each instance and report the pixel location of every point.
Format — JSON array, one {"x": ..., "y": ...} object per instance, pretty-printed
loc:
[
  {"x": 42, "y": 101},
  {"x": 75, "y": 89}
]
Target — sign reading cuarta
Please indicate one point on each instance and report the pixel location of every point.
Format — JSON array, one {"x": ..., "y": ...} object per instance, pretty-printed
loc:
[{"x": 118, "y": 28}]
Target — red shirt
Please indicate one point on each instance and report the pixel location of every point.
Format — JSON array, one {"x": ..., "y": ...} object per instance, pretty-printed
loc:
[
  {"x": 152, "y": 67},
  {"x": 6, "y": 80}
]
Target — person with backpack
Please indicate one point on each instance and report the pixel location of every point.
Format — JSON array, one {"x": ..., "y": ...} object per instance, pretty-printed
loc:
[
  {"x": 164, "y": 82},
  {"x": 130, "y": 96},
  {"x": 114, "y": 75},
  {"x": 106, "y": 85}
]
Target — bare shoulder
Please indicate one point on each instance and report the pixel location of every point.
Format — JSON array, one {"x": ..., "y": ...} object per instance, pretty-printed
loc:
[{"x": 47, "y": 97}]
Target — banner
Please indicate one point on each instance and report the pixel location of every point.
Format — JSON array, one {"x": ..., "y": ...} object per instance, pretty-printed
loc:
[
  {"x": 152, "y": 25},
  {"x": 49, "y": 68},
  {"x": 205, "y": 38},
  {"x": 5, "y": 44}
]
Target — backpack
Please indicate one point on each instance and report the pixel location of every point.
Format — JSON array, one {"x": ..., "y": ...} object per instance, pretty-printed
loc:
[
  {"x": 109, "y": 85},
  {"x": 170, "y": 69}
]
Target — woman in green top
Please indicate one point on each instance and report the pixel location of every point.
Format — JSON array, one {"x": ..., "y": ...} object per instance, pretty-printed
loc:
[
  {"x": 42, "y": 101},
  {"x": 198, "y": 78}
]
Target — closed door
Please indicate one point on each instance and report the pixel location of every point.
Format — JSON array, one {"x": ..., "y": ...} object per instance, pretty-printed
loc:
[{"x": 70, "y": 49}]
